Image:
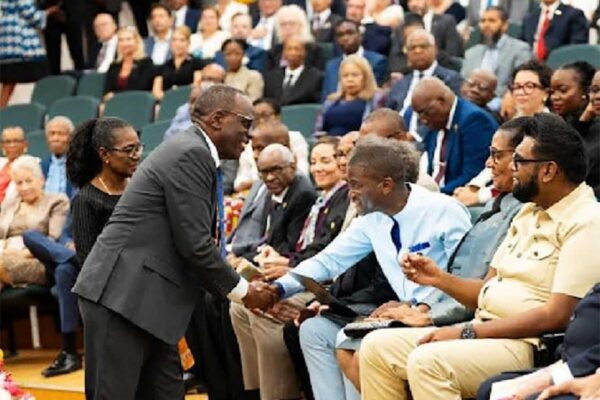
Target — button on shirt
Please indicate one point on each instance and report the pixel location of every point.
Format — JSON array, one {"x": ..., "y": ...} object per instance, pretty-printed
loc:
[
  {"x": 544, "y": 252},
  {"x": 427, "y": 218},
  {"x": 56, "y": 181}
]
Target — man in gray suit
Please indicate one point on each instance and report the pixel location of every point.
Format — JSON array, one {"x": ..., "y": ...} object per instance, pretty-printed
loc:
[
  {"x": 499, "y": 52},
  {"x": 516, "y": 9},
  {"x": 140, "y": 283}
]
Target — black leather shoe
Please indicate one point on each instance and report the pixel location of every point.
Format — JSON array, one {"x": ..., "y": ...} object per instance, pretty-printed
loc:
[{"x": 64, "y": 363}]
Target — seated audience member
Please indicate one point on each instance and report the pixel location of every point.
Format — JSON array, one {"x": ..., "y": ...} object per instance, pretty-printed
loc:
[
  {"x": 251, "y": 224},
  {"x": 266, "y": 363},
  {"x": 375, "y": 38},
  {"x": 516, "y": 9},
  {"x": 291, "y": 20},
  {"x": 297, "y": 82},
  {"x": 348, "y": 38},
  {"x": 569, "y": 88},
  {"x": 132, "y": 70},
  {"x": 238, "y": 76},
  {"x": 59, "y": 131},
  {"x": 384, "y": 13},
  {"x": 551, "y": 25},
  {"x": 183, "y": 118},
  {"x": 183, "y": 14},
  {"x": 344, "y": 110},
  {"x": 323, "y": 21},
  {"x": 386, "y": 203},
  {"x": 537, "y": 276},
  {"x": 158, "y": 45},
  {"x": 421, "y": 55},
  {"x": 105, "y": 30},
  {"x": 529, "y": 91},
  {"x": 254, "y": 58},
  {"x": 209, "y": 38},
  {"x": 592, "y": 141},
  {"x": 472, "y": 256},
  {"x": 579, "y": 353},
  {"x": 14, "y": 145},
  {"x": 266, "y": 110},
  {"x": 449, "y": 7},
  {"x": 181, "y": 69},
  {"x": 498, "y": 52},
  {"x": 32, "y": 209},
  {"x": 263, "y": 35},
  {"x": 227, "y": 10},
  {"x": 479, "y": 88},
  {"x": 458, "y": 136},
  {"x": 388, "y": 124}
]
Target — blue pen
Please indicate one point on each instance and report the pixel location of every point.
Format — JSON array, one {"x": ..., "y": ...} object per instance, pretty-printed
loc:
[{"x": 419, "y": 247}]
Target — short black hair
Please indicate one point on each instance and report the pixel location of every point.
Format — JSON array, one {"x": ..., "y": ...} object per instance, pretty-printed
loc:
[
  {"x": 240, "y": 42},
  {"x": 518, "y": 128},
  {"x": 274, "y": 104},
  {"x": 558, "y": 141},
  {"x": 543, "y": 71},
  {"x": 383, "y": 158},
  {"x": 160, "y": 5},
  {"x": 412, "y": 19},
  {"x": 347, "y": 21},
  {"x": 216, "y": 97},
  {"x": 501, "y": 10},
  {"x": 585, "y": 73},
  {"x": 391, "y": 116}
]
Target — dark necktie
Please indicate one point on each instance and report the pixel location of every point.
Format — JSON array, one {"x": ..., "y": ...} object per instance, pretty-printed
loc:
[
  {"x": 101, "y": 55},
  {"x": 395, "y": 233},
  {"x": 221, "y": 212}
]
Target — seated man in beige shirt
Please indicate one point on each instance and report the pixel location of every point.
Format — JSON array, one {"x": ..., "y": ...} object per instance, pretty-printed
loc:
[{"x": 547, "y": 262}]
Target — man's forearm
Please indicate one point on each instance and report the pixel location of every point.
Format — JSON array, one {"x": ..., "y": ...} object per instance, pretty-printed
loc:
[{"x": 465, "y": 291}]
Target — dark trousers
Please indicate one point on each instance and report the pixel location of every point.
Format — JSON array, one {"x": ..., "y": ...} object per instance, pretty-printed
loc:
[
  {"x": 73, "y": 29},
  {"x": 292, "y": 342},
  {"x": 60, "y": 263},
  {"x": 485, "y": 390},
  {"x": 122, "y": 361},
  {"x": 141, "y": 12}
]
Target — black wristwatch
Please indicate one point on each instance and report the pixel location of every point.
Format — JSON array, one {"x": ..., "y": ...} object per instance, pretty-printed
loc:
[{"x": 468, "y": 331}]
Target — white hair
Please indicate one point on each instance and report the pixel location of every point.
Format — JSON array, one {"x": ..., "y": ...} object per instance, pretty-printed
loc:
[
  {"x": 28, "y": 162},
  {"x": 423, "y": 32},
  {"x": 299, "y": 16},
  {"x": 62, "y": 120},
  {"x": 279, "y": 150}
]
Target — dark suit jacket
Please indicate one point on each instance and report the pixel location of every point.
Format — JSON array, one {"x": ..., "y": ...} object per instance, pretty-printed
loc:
[
  {"x": 141, "y": 78},
  {"x": 326, "y": 32},
  {"x": 313, "y": 58},
  {"x": 377, "y": 38},
  {"x": 399, "y": 91},
  {"x": 331, "y": 220},
  {"x": 257, "y": 58},
  {"x": 252, "y": 221},
  {"x": 338, "y": 7},
  {"x": 307, "y": 88},
  {"x": 568, "y": 26},
  {"x": 467, "y": 147},
  {"x": 45, "y": 164},
  {"x": 192, "y": 16},
  {"x": 330, "y": 81},
  {"x": 158, "y": 247},
  {"x": 149, "y": 47}
]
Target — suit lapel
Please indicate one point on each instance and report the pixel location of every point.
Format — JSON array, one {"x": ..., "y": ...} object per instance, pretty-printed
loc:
[{"x": 453, "y": 132}]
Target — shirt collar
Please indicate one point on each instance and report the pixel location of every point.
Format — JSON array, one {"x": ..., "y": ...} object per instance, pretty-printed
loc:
[
  {"x": 58, "y": 160},
  {"x": 323, "y": 15},
  {"x": 552, "y": 8},
  {"x": 451, "y": 115},
  {"x": 562, "y": 208},
  {"x": 211, "y": 148},
  {"x": 167, "y": 39},
  {"x": 296, "y": 72},
  {"x": 500, "y": 43},
  {"x": 428, "y": 71},
  {"x": 279, "y": 198},
  {"x": 360, "y": 52}
]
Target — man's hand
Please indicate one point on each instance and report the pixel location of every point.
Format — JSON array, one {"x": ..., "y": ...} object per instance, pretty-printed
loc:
[
  {"x": 420, "y": 269},
  {"x": 265, "y": 253},
  {"x": 408, "y": 316},
  {"x": 284, "y": 311},
  {"x": 532, "y": 383},
  {"x": 386, "y": 306},
  {"x": 260, "y": 296},
  {"x": 259, "y": 33},
  {"x": 587, "y": 388},
  {"x": 468, "y": 195},
  {"x": 441, "y": 334},
  {"x": 272, "y": 272}
]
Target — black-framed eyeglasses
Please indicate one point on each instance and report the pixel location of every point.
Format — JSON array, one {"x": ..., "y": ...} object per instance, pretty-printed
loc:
[
  {"x": 517, "y": 159},
  {"x": 131, "y": 151},
  {"x": 479, "y": 85},
  {"x": 245, "y": 120},
  {"x": 527, "y": 87},
  {"x": 275, "y": 170},
  {"x": 495, "y": 153}
]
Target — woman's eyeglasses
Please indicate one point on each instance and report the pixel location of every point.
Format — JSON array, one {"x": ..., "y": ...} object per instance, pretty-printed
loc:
[
  {"x": 527, "y": 87},
  {"x": 131, "y": 151}
]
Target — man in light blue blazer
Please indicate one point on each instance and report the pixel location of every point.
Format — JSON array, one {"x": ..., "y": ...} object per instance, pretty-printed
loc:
[
  {"x": 459, "y": 135},
  {"x": 499, "y": 52}
]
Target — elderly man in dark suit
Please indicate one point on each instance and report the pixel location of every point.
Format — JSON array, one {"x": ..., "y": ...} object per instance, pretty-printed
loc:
[
  {"x": 297, "y": 83},
  {"x": 458, "y": 137},
  {"x": 552, "y": 25},
  {"x": 162, "y": 245}
]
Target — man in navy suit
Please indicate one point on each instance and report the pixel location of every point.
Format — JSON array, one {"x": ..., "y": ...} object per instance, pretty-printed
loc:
[
  {"x": 184, "y": 14},
  {"x": 158, "y": 45},
  {"x": 459, "y": 135},
  {"x": 349, "y": 39},
  {"x": 552, "y": 25}
]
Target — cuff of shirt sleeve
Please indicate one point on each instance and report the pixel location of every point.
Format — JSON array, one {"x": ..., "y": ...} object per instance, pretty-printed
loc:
[
  {"x": 484, "y": 195},
  {"x": 239, "y": 291},
  {"x": 561, "y": 373}
]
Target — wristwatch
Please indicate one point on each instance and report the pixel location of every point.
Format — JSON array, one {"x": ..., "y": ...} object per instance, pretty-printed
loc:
[{"x": 468, "y": 331}]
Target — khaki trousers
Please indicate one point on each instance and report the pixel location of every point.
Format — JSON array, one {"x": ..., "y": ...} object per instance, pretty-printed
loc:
[
  {"x": 266, "y": 364},
  {"x": 448, "y": 370}
]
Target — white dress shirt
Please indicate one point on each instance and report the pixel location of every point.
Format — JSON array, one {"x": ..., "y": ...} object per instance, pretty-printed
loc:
[
  {"x": 201, "y": 47},
  {"x": 161, "y": 48},
  {"x": 110, "y": 52},
  {"x": 232, "y": 8},
  {"x": 180, "y": 16},
  {"x": 269, "y": 24},
  {"x": 437, "y": 153},
  {"x": 295, "y": 74}
]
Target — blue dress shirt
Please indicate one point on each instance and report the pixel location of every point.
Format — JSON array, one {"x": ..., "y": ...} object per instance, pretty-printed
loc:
[
  {"x": 428, "y": 217},
  {"x": 56, "y": 181}
]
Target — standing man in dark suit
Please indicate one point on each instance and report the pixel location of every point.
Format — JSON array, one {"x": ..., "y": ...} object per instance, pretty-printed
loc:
[
  {"x": 552, "y": 25},
  {"x": 184, "y": 14},
  {"x": 70, "y": 23},
  {"x": 349, "y": 39},
  {"x": 459, "y": 135},
  {"x": 323, "y": 21},
  {"x": 297, "y": 83},
  {"x": 162, "y": 245}
]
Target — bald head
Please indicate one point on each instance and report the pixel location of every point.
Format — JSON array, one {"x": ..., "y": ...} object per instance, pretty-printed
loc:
[
  {"x": 345, "y": 147},
  {"x": 479, "y": 87},
  {"x": 213, "y": 73},
  {"x": 432, "y": 101},
  {"x": 268, "y": 133},
  {"x": 386, "y": 123}
]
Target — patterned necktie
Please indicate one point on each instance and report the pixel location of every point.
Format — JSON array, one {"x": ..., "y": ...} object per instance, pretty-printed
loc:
[
  {"x": 221, "y": 212},
  {"x": 442, "y": 170},
  {"x": 542, "y": 50}
]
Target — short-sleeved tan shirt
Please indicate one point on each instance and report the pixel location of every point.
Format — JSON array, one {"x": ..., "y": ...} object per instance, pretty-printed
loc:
[{"x": 545, "y": 251}]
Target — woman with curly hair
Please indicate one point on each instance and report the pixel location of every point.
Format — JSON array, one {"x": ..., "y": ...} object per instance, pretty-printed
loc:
[{"x": 103, "y": 155}]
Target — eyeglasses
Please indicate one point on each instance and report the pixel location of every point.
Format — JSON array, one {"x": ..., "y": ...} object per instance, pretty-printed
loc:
[
  {"x": 245, "y": 120},
  {"x": 517, "y": 159},
  {"x": 131, "y": 151},
  {"x": 479, "y": 85},
  {"x": 527, "y": 87},
  {"x": 275, "y": 170},
  {"x": 496, "y": 153}
]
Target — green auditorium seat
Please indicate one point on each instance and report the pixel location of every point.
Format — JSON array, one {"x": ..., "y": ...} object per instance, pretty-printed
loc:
[
  {"x": 574, "y": 52},
  {"x": 301, "y": 117},
  {"x": 27, "y": 116},
  {"x": 135, "y": 107},
  {"x": 52, "y": 88},
  {"x": 327, "y": 51},
  {"x": 171, "y": 101},
  {"x": 152, "y": 135},
  {"x": 77, "y": 108},
  {"x": 37, "y": 144},
  {"x": 91, "y": 84}
]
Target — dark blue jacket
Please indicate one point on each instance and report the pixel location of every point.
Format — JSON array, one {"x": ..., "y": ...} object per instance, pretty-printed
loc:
[
  {"x": 192, "y": 16},
  {"x": 257, "y": 59}
]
